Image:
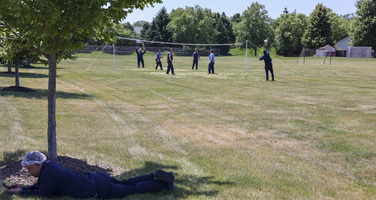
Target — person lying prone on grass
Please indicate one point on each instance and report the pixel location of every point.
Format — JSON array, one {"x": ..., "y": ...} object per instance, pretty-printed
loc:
[{"x": 55, "y": 180}]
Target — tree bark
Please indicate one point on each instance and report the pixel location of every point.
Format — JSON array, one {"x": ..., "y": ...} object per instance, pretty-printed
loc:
[
  {"x": 9, "y": 67},
  {"x": 51, "y": 131},
  {"x": 17, "y": 75}
]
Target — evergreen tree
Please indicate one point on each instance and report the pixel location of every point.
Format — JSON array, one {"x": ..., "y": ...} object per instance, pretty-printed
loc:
[
  {"x": 224, "y": 33},
  {"x": 159, "y": 26},
  {"x": 363, "y": 28},
  {"x": 319, "y": 32}
]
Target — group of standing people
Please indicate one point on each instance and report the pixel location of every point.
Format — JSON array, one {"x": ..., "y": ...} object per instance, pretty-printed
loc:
[
  {"x": 196, "y": 56},
  {"x": 170, "y": 67}
]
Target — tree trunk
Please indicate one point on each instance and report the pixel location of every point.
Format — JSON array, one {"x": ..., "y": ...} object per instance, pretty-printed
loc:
[
  {"x": 51, "y": 131},
  {"x": 17, "y": 75},
  {"x": 256, "y": 52},
  {"x": 9, "y": 67}
]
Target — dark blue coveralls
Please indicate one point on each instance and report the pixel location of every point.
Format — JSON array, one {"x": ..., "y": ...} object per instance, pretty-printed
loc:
[
  {"x": 268, "y": 64},
  {"x": 169, "y": 62},
  {"x": 195, "y": 60},
  {"x": 140, "y": 58},
  {"x": 55, "y": 180}
]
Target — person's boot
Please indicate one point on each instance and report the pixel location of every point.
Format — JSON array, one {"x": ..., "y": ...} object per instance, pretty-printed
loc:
[{"x": 167, "y": 177}]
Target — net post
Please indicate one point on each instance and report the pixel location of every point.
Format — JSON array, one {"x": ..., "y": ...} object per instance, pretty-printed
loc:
[
  {"x": 113, "y": 56},
  {"x": 330, "y": 59},
  {"x": 246, "y": 55}
]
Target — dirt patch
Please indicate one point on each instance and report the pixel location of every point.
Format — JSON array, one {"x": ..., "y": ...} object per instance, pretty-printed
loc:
[{"x": 13, "y": 172}]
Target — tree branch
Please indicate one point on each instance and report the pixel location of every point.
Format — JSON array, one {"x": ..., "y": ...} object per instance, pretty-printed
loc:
[{"x": 6, "y": 25}]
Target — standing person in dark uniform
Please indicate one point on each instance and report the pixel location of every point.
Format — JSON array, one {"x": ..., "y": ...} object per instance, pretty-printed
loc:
[
  {"x": 170, "y": 58},
  {"x": 158, "y": 60},
  {"x": 268, "y": 65},
  {"x": 195, "y": 57},
  {"x": 55, "y": 180},
  {"x": 140, "y": 57},
  {"x": 211, "y": 62}
]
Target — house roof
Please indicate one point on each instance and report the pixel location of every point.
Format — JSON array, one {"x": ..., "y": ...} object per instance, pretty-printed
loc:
[
  {"x": 326, "y": 47},
  {"x": 342, "y": 38}
]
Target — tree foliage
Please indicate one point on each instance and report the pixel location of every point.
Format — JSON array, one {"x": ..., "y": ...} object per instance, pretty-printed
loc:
[
  {"x": 192, "y": 25},
  {"x": 289, "y": 30},
  {"x": 319, "y": 32},
  {"x": 54, "y": 28},
  {"x": 339, "y": 25},
  {"x": 254, "y": 26},
  {"x": 223, "y": 32},
  {"x": 363, "y": 28}
]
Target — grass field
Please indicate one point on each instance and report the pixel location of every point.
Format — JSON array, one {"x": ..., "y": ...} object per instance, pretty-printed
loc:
[{"x": 308, "y": 135}]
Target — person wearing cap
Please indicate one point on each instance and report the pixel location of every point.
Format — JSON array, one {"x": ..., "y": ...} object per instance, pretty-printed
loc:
[
  {"x": 158, "y": 60},
  {"x": 268, "y": 65},
  {"x": 55, "y": 180},
  {"x": 140, "y": 57},
  {"x": 170, "y": 66},
  {"x": 195, "y": 57},
  {"x": 266, "y": 42},
  {"x": 211, "y": 62}
]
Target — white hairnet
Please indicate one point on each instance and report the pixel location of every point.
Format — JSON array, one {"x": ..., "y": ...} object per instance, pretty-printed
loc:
[{"x": 33, "y": 158}]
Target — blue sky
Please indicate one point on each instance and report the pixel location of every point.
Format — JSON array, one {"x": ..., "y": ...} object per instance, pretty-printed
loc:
[{"x": 230, "y": 7}]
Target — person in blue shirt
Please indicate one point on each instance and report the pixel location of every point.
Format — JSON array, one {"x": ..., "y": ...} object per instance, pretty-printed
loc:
[
  {"x": 211, "y": 62},
  {"x": 55, "y": 180},
  {"x": 170, "y": 66},
  {"x": 195, "y": 57},
  {"x": 158, "y": 60},
  {"x": 140, "y": 57},
  {"x": 268, "y": 65}
]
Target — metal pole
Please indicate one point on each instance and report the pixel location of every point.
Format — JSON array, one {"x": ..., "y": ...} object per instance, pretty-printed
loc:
[
  {"x": 113, "y": 52},
  {"x": 246, "y": 55}
]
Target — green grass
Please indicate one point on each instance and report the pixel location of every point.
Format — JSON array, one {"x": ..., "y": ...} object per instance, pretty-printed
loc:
[{"x": 232, "y": 135}]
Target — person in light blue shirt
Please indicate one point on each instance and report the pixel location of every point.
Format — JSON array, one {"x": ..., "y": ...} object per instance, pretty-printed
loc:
[
  {"x": 158, "y": 60},
  {"x": 211, "y": 62}
]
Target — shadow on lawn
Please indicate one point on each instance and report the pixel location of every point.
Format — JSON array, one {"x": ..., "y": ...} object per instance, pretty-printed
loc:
[
  {"x": 42, "y": 94},
  {"x": 29, "y": 67},
  {"x": 186, "y": 185},
  {"x": 24, "y": 75}
]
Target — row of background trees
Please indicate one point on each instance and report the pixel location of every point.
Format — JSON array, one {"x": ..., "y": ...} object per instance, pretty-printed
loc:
[{"x": 288, "y": 34}]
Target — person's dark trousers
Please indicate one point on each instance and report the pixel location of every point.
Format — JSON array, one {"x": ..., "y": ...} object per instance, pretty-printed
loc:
[
  {"x": 211, "y": 68},
  {"x": 159, "y": 63},
  {"x": 267, "y": 69},
  {"x": 142, "y": 61},
  {"x": 137, "y": 185},
  {"x": 195, "y": 62},
  {"x": 170, "y": 67}
]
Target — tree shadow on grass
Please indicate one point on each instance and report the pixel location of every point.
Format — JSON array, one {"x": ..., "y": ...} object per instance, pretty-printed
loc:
[
  {"x": 30, "y": 67},
  {"x": 42, "y": 94},
  {"x": 24, "y": 75}
]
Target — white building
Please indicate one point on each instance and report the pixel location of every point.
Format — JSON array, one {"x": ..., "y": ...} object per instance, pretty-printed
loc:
[
  {"x": 326, "y": 51},
  {"x": 343, "y": 43}
]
